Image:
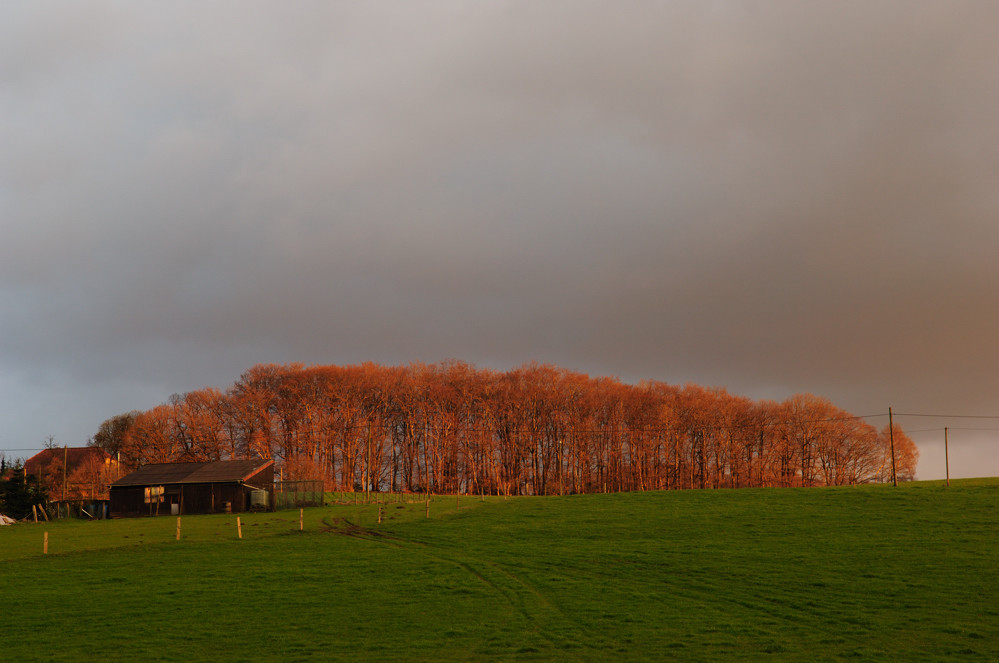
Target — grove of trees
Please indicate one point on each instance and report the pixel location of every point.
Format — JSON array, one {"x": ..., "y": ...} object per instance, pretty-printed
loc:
[{"x": 535, "y": 430}]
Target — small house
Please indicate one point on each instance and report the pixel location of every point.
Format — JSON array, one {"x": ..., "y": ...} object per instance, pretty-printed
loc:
[
  {"x": 72, "y": 473},
  {"x": 225, "y": 486},
  {"x": 75, "y": 479}
]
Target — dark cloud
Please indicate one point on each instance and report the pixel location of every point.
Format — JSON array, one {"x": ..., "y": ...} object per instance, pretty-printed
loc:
[{"x": 776, "y": 197}]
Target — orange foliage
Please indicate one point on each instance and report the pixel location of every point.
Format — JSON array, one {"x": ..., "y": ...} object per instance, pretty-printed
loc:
[{"x": 538, "y": 429}]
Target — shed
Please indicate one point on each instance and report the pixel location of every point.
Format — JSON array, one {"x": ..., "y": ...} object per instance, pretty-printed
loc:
[{"x": 183, "y": 488}]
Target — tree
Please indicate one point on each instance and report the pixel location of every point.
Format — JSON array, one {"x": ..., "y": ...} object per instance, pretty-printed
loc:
[
  {"x": 91, "y": 477},
  {"x": 906, "y": 455},
  {"x": 151, "y": 439},
  {"x": 112, "y": 432},
  {"x": 18, "y": 493}
]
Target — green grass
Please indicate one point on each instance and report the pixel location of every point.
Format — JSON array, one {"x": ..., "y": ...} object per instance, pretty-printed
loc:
[{"x": 859, "y": 573}]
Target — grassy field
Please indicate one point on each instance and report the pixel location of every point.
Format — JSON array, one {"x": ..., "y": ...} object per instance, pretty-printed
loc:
[{"x": 859, "y": 573}]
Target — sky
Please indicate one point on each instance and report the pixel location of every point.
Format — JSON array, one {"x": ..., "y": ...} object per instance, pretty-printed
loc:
[{"x": 775, "y": 197}]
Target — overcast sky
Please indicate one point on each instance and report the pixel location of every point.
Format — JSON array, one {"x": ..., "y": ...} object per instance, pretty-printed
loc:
[{"x": 776, "y": 197}]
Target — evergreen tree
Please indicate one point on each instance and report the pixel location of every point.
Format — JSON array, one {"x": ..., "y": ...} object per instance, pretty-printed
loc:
[{"x": 18, "y": 493}]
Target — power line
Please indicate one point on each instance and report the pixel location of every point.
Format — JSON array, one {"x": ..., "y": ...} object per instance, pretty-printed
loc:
[
  {"x": 951, "y": 428},
  {"x": 949, "y": 416},
  {"x": 990, "y": 439}
]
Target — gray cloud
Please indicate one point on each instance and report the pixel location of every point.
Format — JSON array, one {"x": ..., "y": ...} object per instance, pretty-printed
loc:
[{"x": 777, "y": 197}]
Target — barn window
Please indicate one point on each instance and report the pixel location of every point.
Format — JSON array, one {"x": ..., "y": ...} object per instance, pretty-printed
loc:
[{"x": 154, "y": 494}]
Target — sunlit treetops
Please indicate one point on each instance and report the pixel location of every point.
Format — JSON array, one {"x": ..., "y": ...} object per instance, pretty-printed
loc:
[{"x": 538, "y": 429}]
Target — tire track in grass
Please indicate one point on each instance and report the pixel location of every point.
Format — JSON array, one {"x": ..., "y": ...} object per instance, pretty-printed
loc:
[
  {"x": 344, "y": 527},
  {"x": 539, "y": 613},
  {"x": 515, "y": 602},
  {"x": 543, "y": 617}
]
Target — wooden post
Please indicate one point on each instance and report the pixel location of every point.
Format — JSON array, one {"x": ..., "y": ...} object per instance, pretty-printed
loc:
[
  {"x": 178, "y": 528},
  {"x": 34, "y": 513},
  {"x": 891, "y": 439},
  {"x": 45, "y": 515},
  {"x": 379, "y": 514},
  {"x": 45, "y": 544},
  {"x": 428, "y": 507},
  {"x": 65, "y": 460},
  {"x": 301, "y": 520},
  {"x": 946, "y": 457},
  {"x": 239, "y": 528}
]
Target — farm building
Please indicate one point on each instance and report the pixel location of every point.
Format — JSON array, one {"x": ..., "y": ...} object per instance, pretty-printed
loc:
[
  {"x": 72, "y": 474},
  {"x": 181, "y": 488},
  {"x": 75, "y": 480}
]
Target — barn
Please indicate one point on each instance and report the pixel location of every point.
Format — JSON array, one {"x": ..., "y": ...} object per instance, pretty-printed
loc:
[{"x": 183, "y": 488}]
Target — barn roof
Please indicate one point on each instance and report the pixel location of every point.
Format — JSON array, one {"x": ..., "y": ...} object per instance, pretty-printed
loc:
[
  {"x": 74, "y": 457},
  {"x": 221, "y": 471}
]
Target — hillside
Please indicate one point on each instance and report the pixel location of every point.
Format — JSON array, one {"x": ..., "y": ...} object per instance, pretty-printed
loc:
[{"x": 871, "y": 572}]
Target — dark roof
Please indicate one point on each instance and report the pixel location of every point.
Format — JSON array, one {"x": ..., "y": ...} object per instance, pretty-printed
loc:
[
  {"x": 47, "y": 458},
  {"x": 221, "y": 471}
]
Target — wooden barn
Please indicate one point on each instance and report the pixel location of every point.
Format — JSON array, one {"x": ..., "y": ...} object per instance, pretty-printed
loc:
[{"x": 180, "y": 488}]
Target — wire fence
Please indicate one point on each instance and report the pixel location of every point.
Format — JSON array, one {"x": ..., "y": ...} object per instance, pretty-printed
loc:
[{"x": 297, "y": 494}]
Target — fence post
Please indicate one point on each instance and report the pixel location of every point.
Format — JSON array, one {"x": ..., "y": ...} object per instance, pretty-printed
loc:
[
  {"x": 239, "y": 528},
  {"x": 178, "y": 528},
  {"x": 45, "y": 544}
]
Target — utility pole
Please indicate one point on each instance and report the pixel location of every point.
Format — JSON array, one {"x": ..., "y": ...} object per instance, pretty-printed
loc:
[
  {"x": 65, "y": 460},
  {"x": 946, "y": 457},
  {"x": 891, "y": 440}
]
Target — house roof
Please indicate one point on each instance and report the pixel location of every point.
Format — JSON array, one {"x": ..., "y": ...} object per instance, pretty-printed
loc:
[
  {"x": 221, "y": 471},
  {"x": 74, "y": 456}
]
